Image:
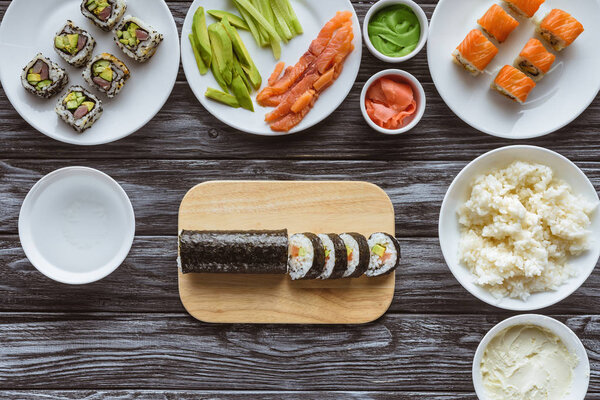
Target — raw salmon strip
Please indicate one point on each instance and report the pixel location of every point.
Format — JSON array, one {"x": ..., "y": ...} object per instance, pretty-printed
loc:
[
  {"x": 513, "y": 83},
  {"x": 526, "y": 8},
  {"x": 534, "y": 60},
  {"x": 560, "y": 29},
  {"x": 497, "y": 23},
  {"x": 475, "y": 52}
]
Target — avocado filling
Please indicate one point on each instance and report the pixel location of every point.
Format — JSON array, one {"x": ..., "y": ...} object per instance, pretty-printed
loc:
[
  {"x": 78, "y": 104},
  {"x": 103, "y": 74},
  {"x": 132, "y": 35},
  {"x": 38, "y": 76},
  {"x": 378, "y": 249},
  {"x": 70, "y": 43},
  {"x": 101, "y": 8}
]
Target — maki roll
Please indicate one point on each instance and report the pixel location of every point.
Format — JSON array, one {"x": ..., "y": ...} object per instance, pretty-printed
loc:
[
  {"x": 336, "y": 258},
  {"x": 43, "y": 77},
  {"x": 306, "y": 258},
  {"x": 137, "y": 39},
  {"x": 560, "y": 29},
  {"x": 244, "y": 252},
  {"x": 497, "y": 23},
  {"x": 525, "y": 8},
  {"x": 79, "y": 108},
  {"x": 107, "y": 74},
  {"x": 385, "y": 254},
  {"x": 475, "y": 52},
  {"x": 74, "y": 45},
  {"x": 534, "y": 60},
  {"x": 358, "y": 255},
  {"x": 105, "y": 14},
  {"x": 513, "y": 84}
]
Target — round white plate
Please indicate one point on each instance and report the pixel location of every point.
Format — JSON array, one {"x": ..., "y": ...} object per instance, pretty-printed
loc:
[
  {"x": 140, "y": 100},
  {"x": 564, "y": 93},
  {"x": 76, "y": 225},
  {"x": 313, "y": 14},
  {"x": 458, "y": 193}
]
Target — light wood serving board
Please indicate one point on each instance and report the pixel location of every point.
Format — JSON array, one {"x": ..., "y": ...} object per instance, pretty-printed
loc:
[{"x": 320, "y": 207}]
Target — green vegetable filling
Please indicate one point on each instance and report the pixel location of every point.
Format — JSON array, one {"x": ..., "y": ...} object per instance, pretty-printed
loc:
[
  {"x": 379, "y": 249},
  {"x": 128, "y": 35},
  {"x": 96, "y": 6},
  {"x": 103, "y": 69},
  {"x": 395, "y": 31},
  {"x": 76, "y": 99},
  {"x": 36, "y": 80},
  {"x": 67, "y": 43}
]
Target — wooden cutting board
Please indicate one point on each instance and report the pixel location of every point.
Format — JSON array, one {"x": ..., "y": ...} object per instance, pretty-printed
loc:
[{"x": 319, "y": 207}]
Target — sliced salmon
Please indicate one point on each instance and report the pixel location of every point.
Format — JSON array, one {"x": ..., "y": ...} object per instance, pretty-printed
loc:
[
  {"x": 498, "y": 23},
  {"x": 326, "y": 33},
  {"x": 343, "y": 38},
  {"x": 296, "y": 91},
  {"x": 477, "y": 50},
  {"x": 276, "y": 73},
  {"x": 325, "y": 80},
  {"x": 292, "y": 119},
  {"x": 303, "y": 101},
  {"x": 513, "y": 83},
  {"x": 525, "y": 7}
]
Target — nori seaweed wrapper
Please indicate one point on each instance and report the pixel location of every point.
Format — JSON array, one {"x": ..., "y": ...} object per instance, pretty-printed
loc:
[
  {"x": 242, "y": 252},
  {"x": 318, "y": 257},
  {"x": 364, "y": 254},
  {"x": 341, "y": 256}
]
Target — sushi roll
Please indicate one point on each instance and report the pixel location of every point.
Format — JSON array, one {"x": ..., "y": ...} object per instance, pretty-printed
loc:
[
  {"x": 137, "y": 39},
  {"x": 105, "y": 14},
  {"x": 357, "y": 249},
  {"x": 559, "y": 29},
  {"x": 79, "y": 108},
  {"x": 513, "y": 84},
  {"x": 306, "y": 259},
  {"x": 43, "y": 77},
  {"x": 534, "y": 60},
  {"x": 336, "y": 257},
  {"x": 385, "y": 254},
  {"x": 525, "y": 8},
  {"x": 107, "y": 74},
  {"x": 74, "y": 45},
  {"x": 475, "y": 52},
  {"x": 497, "y": 23}
]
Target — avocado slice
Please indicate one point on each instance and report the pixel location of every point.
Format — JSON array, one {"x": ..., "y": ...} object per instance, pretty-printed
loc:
[
  {"x": 378, "y": 249},
  {"x": 222, "y": 97},
  {"x": 33, "y": 78},
  {"x": 222, "y": 50},
  {"x": 235, "y": 20},
  {"x": 100, "y": 66},
  {"x": 72, "y": 40},
  {"x": 107, "y": 74},
  {"x": 43, "y": 84},
  {"x": 244, "y": 56},
  {"x": 214, "y": 67},
  {"x": 238, "y": 71},
  {"x": 89, "y": 104},
  {"x": 239, "y": 89},
  {"x": 199, "y": 61},
  {"x": 72, "y": 105},
  {"x": 200, "y": 31}
]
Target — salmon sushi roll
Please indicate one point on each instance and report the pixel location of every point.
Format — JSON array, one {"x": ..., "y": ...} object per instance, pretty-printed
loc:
[
  {"x": 534, "y": 60},
  {"x": 497, "y": 23},
  {"x": 513, "y": 84},
  {"x": 525, "y": 8},
  {"x": 560, "y": 29},
  {"x": 475, "y": 52}
]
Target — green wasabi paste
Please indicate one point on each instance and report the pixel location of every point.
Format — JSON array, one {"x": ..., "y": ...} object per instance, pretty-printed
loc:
[{"x": 395, "y": 30}]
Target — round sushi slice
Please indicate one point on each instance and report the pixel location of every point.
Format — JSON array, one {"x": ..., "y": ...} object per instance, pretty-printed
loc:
[
  {"x": 107, "y": 74},
  {"x": 105, "y": 14},
  {"x": 306, "y": 257},
  {"x": 79, "y": 108},
  {"x": 137, "y": 39},
  {"x": 358, "y": 255},
  {"x": 385, "y": 254},
  {"x": 43, "y": 77},
  {"x": 336, "y": 258},
  {"x": 74, "y": 45}
]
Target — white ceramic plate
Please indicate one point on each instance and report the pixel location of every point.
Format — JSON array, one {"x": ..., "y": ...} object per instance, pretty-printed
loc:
[
  {"x": 140, "y": 100},
  {"x": 76, "y": 225},
  {"x": 458, "y": 193},
  {"x": 313, "y": 14},
  {"x": 581, "y": 373},
  {"x": 564, "y": 93}
]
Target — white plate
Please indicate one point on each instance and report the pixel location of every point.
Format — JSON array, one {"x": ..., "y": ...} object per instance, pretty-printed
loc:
[
  {"x": 76, "y": 225},
  {"x": 140, "y": 100},
  {"x": 313, "y": 14},
  {"x": 564, "y": 93},
  {"x": 458, "y": 193}
]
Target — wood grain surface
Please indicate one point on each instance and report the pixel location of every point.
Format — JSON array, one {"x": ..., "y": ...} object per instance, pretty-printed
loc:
[{"x": 129, "y": 337}]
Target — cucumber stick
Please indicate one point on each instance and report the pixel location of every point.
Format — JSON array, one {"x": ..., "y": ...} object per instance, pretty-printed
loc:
[{"x": 233, "y": 19}]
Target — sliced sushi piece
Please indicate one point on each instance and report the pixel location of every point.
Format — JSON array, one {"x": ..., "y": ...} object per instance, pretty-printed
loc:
[
  {"x": 104, "y": 13},
  {"x": 475, "y": 52},
  {"x": 79, "y": 108},
  {"x": 534, "y": 60},
  {"x": 525, "y": 8},
  {"x": 497, "y": 23},
  {"x": 513, "y": 84},
  {"x": 385, "y": 254},
  {"x": 137, "y": 39},
  {"x": 560, "y": 29},
  {"x": 107, "y": 74},
  {"x": 357, "y": 249},
  {"x": 336, "y": 258},
  {"x": 74, "y": 45},
  {"x": 43, "y": 77},
  {"x": 306, "y": 258}
]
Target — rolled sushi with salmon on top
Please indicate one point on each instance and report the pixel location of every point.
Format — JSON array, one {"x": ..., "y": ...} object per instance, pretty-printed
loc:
[
  {"x": 105, "y": 14},
  {"x": 306, "y": 258},
  {"x": 560, "y": 29},
  {"x": 535, "y": 60},
  {"x": 525, "y": 8},
  {"x": 43, "y": 77},
  {"x": 74, "y": 45},
  {"x": 137, "y": 39},
  {"x": 513, "y": 84},
  {"x": 107, "y": 74},
  {"x": 385, "y": 254},
  {"x": 358, "y": 254},
  {"x": 475, "y": 52},
  {"x": 497, "y": 23},
  {"x": 336, "y": 257},
  {"x": 79, "y": 108}
]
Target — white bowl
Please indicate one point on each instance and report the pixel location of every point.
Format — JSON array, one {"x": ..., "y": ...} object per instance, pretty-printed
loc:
[
  {"x": 581, "y": 378},
  {"x": 458, "y": 193},
  {"x": 419, "y": 98},
  {"x": 76, "y": 225},
  {"x": 422, "y": 21}
]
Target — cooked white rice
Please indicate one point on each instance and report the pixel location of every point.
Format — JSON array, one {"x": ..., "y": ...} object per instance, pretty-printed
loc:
[
  {"x": 352, "y": 244},
  {"x": 300, "y": 265},
  {"x": 329, "y": 248}
]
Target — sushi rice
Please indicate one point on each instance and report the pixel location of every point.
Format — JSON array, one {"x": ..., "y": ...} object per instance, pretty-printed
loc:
[
  {"x": 336, "y": 260},
  {"x": 306, "y": 256},
  {"x": 69, "y": 116},
  {"x": 358, "y": 255},
  {"x": 81, "y": 57},
  {"x": 137, "y": 39},
  {"x": 385, "y": 254},
  {"x": 111, "y": 84}
]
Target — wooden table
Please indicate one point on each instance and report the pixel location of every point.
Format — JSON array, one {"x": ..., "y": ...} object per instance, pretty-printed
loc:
[{"x": 129, "y": 337}]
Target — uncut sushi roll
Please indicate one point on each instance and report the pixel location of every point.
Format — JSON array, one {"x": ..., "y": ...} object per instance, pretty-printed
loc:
[
  {"x": 105, "y": 14},
  {"x": 107, "y": 74},
  {"x": 79, "y": 108},
  {"x": 74, "y": 45},
  {"x": 43, "y": 77},
  {"x": 525, "y": 8},
  {"x": 497, "y": 23},
  {"x": 137, "y": 39},
  {"x": 336, "y": 257},
  {"x": 358, "y": 254},
  {"x": 534, "y": 60},
  {"x": 306, "y": 258},
  {"x": 385, "y": 254},
  {"x": 475, "y": 52},
  {"x": 559, "y": 29},
  {"x": 513, "y": 84}
]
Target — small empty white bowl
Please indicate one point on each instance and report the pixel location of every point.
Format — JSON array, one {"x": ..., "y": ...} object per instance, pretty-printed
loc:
[
  {"x": 76, "y": 225},
  {"x": 581, "y": 374},
  {"x": 419, "y": 94},
  {"x": 381, "y": 4}
]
